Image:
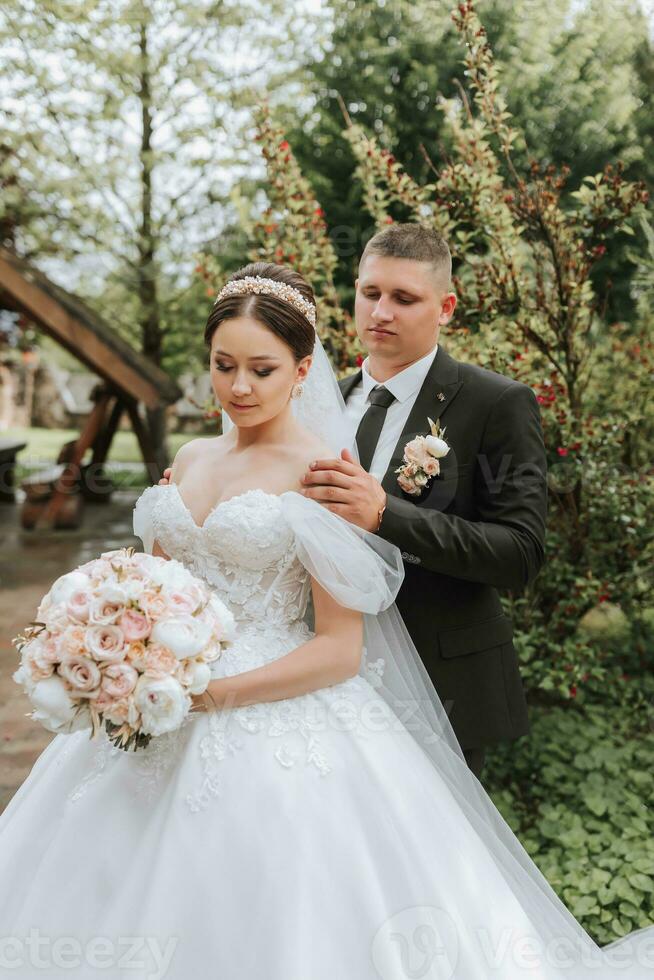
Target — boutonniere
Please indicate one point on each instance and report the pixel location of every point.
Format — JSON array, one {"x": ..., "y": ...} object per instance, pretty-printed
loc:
[{"x": 421, "y": 460}]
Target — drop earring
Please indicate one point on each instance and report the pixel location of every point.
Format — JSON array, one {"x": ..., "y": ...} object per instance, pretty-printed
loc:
[{"x": 297, "y": 390}]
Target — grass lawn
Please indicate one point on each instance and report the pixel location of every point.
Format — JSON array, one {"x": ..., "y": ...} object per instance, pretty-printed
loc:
[{"x": 43, "y": 445}]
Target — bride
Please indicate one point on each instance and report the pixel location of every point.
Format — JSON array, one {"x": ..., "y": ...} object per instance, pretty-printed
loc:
[{"x": 314, "y": 818}]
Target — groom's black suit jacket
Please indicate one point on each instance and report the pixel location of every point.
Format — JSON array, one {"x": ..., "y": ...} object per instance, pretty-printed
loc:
[{"x": 478, "y": 527}]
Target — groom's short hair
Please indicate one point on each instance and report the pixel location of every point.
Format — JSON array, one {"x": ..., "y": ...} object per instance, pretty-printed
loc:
[{"x": 413, "y": 241}]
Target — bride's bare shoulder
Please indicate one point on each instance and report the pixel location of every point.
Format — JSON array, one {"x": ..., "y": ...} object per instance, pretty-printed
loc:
[
  {"x": 311, "y": 447},
  {"x": 191, "y": 451}
]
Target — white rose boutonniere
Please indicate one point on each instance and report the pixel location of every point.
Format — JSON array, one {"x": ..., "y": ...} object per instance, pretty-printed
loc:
[{"x": 421, "y": 460}]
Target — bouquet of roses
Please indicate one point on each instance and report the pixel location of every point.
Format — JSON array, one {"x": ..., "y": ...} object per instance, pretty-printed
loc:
[{"x": 122, "y": 642}]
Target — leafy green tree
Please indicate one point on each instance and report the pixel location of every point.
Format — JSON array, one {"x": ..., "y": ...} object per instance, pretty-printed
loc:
[
  {"x": 121, "y": 118},
  {"x": 575, "y": 78}
]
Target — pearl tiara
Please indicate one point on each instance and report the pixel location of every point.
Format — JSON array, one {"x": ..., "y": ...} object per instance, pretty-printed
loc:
[{"x": 259, "y": 284}]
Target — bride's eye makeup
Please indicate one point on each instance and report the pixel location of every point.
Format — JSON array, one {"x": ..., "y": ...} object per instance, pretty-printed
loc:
[{"x": 262, "y": 373}]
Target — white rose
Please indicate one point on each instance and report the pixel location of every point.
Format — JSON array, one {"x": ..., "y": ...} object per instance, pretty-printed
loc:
[
  {"x": 162, "y": 703},
  {"x": 55, "y": 709},
  {"x": 171, "y": 574},
  {"x": 436, "y": 447},
  {"x": 226, "y": 621},
  {"x": 135, "y": 585},
  {"x": 23, "y": 677},
  {"x": 421, "y": 479},
  {"x": 108, "y": 605},
  {"x": 184, "y": 636},
  {"x": 66, "y": 585},
  {"x": 197, "y": 677}
]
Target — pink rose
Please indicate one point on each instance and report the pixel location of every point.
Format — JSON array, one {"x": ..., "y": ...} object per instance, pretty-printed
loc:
[
  {"x": 135, "y": 625},
  {"x": 82, "y": 674},
  {"x": 431, "y": 466},
  {"x": 106, "y": 643},
  {"x": 77, "y": 606},
  {"x": 119, "y": 680}
]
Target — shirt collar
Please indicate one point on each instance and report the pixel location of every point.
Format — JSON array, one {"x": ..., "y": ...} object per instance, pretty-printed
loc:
[{"x": 404, "y": 384}]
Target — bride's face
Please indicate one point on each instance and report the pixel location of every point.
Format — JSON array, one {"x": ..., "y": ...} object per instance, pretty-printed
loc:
[{"x": 253, "y": 371}]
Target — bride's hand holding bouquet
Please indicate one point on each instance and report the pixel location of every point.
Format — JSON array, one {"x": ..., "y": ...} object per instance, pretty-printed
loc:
[{"x": 125, "y": 643}]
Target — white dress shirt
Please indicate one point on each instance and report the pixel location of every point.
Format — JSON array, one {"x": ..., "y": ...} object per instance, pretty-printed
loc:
[{"x": 405, "y": 385}]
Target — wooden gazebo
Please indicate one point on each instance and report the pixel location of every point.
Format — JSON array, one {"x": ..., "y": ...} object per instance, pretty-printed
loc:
[{"x": 129, "y": 381}]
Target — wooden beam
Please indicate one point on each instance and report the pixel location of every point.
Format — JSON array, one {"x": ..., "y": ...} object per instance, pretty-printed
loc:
[
  {"x": 76, "y": 337},
  {"x": 65, "y": 485},
  {"x": 102, "y": 444},
  {"x": 146, "y": 443}
]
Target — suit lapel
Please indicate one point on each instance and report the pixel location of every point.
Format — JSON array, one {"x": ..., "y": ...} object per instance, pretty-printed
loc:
[
  {"x": 348, "y": 384},
  {"x": 443, "y": 378}
]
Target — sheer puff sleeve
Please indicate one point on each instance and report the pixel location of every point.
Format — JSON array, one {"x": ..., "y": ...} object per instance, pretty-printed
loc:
[{"x": 360, "y": 570}]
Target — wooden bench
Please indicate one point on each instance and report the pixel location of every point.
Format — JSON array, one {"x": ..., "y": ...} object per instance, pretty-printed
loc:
[{"x": 9, "y": 448}]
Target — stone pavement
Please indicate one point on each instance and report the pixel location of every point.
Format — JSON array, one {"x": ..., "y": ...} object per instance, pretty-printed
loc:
[{"x": 29, "y": 563}]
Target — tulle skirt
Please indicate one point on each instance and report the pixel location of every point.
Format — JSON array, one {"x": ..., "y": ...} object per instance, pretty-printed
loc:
[{"x": 306, "y": 839}]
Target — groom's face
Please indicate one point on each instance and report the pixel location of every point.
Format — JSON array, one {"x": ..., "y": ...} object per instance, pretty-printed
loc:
[{"x": 399, "y": 308}]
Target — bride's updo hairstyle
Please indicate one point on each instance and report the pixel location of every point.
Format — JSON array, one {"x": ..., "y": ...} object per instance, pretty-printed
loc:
[{"x": 284, "y": 319}]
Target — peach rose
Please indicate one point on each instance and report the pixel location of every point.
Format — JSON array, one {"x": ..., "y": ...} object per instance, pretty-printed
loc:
[
  {"x": 135, "y": 654},
  {"x": 73, "y": 641},
  {"x": 152, "y": 604},
  {"x": 407, "y": 485},
  {"x": 119, "y": 680},
  {"x": 34, "y": 658},
  {"x": 101, "y": 701},
  {"x": 122, "y": 711},
  {"x": 135, "y": 625},
  {"x": 415, "y": 451},
  {"x": 159, "y": 661}
]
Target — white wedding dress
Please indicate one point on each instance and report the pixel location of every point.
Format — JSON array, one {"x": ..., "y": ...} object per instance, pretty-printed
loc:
[{"x": 304, "y": 839}]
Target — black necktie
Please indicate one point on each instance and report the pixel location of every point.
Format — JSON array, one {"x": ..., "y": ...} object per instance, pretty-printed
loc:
[{"x": 371, "y": 424}]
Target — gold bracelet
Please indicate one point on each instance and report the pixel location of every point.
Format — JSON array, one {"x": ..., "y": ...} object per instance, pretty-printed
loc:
[{"x": 379, "y": 518}]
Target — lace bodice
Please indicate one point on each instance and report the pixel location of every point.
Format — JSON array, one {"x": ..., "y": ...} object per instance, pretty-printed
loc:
[
  {"x": 258, "y": 551},
  {"x": 245, "y": 550}
]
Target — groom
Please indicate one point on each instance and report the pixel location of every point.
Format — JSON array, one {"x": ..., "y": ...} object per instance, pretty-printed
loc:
[{"x": 479, "y": 525}]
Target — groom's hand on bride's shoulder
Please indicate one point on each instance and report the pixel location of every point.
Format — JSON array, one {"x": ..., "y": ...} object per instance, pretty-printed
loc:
[
  {"x": 345, "y": 488},
  {"x": 165, "y": 479}
]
